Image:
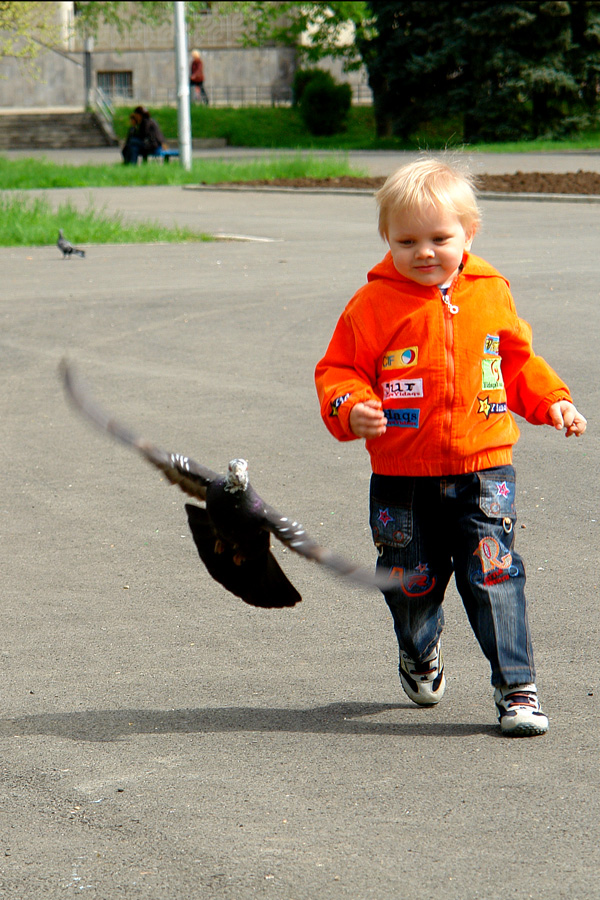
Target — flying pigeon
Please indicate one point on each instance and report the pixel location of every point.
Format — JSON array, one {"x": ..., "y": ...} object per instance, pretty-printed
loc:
[
  {"x": 232, "y": 532},
  {"x": 67, "y": 247}
]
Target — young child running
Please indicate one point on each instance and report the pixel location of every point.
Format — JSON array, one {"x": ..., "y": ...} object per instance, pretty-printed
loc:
[{"x": 426, "y": 362}]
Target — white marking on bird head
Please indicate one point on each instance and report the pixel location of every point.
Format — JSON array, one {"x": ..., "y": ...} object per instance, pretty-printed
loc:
[{"x": 237, "y": 475}]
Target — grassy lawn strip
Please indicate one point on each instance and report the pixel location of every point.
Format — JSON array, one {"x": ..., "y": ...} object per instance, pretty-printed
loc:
[
  {"x": 283, "y": 127},
  {"x": 33, "y": 222},
  {"x": 26, "y": 174}
]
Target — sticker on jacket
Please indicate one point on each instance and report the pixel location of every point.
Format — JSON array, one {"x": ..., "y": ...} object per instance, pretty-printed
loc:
[
  {"x": 406, "y": 387},
  {"x": 402, "y": 418},
  {"x": 335, "y": 404},
  {"x": 491, "y": 345},
  {"x": 399, "y": 359},
  {"x": 488, "y": 407},
  {"x": 491, "y": 374}
]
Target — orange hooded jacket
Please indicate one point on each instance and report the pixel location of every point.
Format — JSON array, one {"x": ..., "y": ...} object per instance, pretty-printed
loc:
[{"x": 447, "y": 380}]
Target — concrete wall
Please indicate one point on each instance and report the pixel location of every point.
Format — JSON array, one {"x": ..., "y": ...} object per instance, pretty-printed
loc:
[
  {"x": 234, "y": 75},
  {"x": 154, "y": 71},
  {"x": 61, "y": 79},
  {"x": 58, "y": 82}
]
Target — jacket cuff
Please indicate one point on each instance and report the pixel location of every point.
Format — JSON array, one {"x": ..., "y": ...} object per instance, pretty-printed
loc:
[
  {"x": 540, "y": 415},
  {"x": 338, "y": 420}
]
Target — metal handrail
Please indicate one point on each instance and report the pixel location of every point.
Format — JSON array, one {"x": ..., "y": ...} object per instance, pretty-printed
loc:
[{"x": 104, "y": 109}]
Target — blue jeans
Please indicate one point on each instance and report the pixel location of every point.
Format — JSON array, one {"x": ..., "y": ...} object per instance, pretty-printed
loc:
[{"x": 424, "y": 529}]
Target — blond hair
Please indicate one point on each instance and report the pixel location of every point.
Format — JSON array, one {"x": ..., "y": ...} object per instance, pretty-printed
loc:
[{"x": 428, "y": 182}]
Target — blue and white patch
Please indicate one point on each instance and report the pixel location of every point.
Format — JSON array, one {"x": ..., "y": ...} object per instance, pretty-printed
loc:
[
  {"x": 335, "y": 404},
  {"x": 402, "y": 418}
]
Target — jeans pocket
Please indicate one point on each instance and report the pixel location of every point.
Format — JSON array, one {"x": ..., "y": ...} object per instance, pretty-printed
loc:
[
  {"x": 391, "y": 524},
  {"x": 497, "y": 491}
]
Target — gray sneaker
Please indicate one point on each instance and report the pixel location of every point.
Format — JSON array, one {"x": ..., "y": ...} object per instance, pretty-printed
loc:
[
  {"x": 519, "y": 710},
  {"x": 424, "y": 682}
]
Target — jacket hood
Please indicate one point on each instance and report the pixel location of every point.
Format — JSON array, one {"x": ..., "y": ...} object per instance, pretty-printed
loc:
[{"x": 472, "y": 265}]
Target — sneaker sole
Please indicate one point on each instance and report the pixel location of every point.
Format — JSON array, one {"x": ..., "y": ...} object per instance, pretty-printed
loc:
[{"x": 525, "y": 730}]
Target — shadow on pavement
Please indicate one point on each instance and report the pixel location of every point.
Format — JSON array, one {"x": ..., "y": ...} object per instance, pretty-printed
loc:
[{"x": 335, "y": 718}]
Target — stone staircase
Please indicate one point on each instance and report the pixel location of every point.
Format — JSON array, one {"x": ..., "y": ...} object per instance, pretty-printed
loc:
[{"x": 52, "y": 130}]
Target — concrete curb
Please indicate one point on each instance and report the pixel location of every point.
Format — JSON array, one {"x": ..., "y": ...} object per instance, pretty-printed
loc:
[{"x": 485, "y": 195}]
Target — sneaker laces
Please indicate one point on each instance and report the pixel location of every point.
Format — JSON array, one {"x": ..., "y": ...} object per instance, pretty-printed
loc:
[
  {"x": 427, "y": 667},
  {"x": 520, "y": 697}
]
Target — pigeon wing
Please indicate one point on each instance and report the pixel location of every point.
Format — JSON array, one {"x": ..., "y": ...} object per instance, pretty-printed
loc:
[
  {"x": 188, "y": 475},
  {"x": 294, "y": 536},
  {"x": 63, "y": 243}
]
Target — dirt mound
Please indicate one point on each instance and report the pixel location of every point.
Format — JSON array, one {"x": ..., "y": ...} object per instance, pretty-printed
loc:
[{"x": 518, "y": 183}]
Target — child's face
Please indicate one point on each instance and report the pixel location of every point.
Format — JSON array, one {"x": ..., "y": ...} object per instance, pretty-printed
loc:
[{"x": 427, "y": 245}]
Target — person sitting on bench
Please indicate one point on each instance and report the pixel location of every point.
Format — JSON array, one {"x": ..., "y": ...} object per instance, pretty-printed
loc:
[{"x": 144, "y": 139}]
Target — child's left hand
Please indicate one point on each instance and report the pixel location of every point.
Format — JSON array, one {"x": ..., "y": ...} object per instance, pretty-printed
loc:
[{"x": 564, "y": 415}]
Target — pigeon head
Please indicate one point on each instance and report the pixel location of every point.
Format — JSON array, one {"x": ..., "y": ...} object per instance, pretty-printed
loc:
[{"x": 237, "y": 475}]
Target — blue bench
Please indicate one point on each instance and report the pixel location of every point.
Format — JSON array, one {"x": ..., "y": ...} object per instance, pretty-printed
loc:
[{"x": 165, "y": 155}]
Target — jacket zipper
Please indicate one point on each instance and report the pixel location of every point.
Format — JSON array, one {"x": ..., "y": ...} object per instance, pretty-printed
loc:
[{"x": 448, "y": 314}]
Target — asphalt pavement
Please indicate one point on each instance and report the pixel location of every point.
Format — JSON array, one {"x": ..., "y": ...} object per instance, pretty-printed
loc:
[{"x": 159, "y": 739}]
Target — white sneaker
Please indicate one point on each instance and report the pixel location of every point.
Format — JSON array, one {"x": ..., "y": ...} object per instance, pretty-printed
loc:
[
  {"x": 424, "y": 682},
  {"x": 519, "y": 710}
]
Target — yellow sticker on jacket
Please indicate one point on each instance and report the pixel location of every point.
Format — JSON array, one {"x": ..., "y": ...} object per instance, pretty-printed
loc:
[{"x": 400, "y": 359}]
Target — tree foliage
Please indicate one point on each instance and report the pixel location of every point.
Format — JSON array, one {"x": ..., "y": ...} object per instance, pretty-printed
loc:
[
  {"x": 25, "y": 28},
  {"x": 509, "y": 70},
  {"x": 505, "y": 70},
  {"x": 126, "y": 16},
  {"x": 316, "y": 30}
]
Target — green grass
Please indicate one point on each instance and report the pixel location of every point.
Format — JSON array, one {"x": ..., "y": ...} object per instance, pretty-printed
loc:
[
  {"x": 26, "y": 174},
  {"x": 261, "y": 126},
  {"x": 33, "y": 222},
  {"x": 273, "y": 127}
]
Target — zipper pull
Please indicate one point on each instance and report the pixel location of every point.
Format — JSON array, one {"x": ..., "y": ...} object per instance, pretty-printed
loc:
[{"x": 446, "y": 299}]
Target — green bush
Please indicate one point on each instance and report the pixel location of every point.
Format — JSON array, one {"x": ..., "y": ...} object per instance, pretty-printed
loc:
[
  {"x": 302, "y": 77},
  {"x": 325, "y": 105}
]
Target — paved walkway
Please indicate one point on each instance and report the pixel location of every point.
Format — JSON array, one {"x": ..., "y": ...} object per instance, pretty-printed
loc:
[{"x": 162, "y": 741}]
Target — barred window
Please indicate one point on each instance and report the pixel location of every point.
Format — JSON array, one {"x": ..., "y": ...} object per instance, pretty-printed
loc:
[{"x": 116, "y": 84}]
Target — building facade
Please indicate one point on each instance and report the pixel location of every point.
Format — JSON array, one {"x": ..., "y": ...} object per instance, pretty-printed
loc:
[{"x": 138, "y": 66}]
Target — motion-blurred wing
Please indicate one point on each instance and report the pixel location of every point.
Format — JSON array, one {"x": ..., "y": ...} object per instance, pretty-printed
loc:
[
  {"x": 293, "y": 535},
  {"x": 191, "y": 477}
]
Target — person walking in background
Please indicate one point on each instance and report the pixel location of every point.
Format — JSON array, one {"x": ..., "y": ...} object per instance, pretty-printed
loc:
[{"x": 197, "y": 78}]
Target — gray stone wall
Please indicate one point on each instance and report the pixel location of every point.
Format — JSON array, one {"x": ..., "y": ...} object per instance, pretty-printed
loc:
[
  {"x": 58, "y": 82},
  {"x": 233, "y": 76}
]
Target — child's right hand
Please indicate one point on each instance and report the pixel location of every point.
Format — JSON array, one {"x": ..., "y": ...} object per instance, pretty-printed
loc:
[{"x": 367, "y": 419}]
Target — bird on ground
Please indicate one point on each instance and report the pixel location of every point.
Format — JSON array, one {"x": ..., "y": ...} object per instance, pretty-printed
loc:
[
  {"x": 67, "y": 247},
  {"x": 232, "y": 532}
]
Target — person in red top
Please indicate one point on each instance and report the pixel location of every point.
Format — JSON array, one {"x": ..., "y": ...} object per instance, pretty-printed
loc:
[
  {"x": 197, "y": 77},
  {"x": 426, "y": 363}
]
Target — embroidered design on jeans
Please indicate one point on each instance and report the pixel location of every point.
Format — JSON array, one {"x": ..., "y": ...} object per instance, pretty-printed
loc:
[
  {"x": 503, "y": 490},
  {"x": 495, "y": 568},
  {"x": 384, "y": 517},
  {"x": 414, "y": 583}
]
